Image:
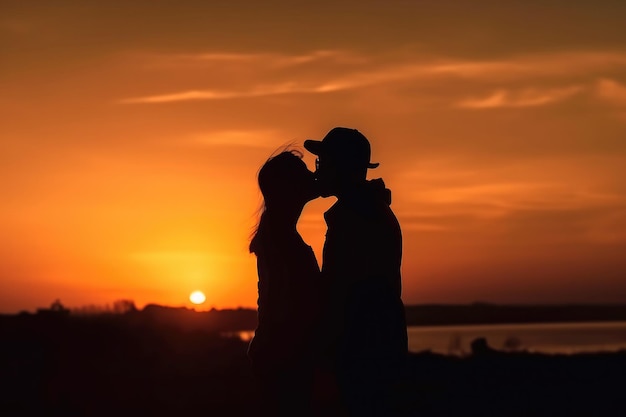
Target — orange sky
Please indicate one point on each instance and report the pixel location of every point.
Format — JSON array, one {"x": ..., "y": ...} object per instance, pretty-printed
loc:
[{"x": 131, "y": 135}]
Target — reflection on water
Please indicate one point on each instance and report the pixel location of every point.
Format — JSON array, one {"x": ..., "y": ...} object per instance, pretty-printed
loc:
[
  {"x": 546, "y": 338},
  {"x": 245, "y": 335}
]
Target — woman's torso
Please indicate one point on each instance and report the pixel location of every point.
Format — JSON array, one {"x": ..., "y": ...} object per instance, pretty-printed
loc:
[{"x": 289, "y": 298}]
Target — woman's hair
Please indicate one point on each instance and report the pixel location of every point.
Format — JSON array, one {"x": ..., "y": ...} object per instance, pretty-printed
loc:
[{"x": 275, "y": 180}]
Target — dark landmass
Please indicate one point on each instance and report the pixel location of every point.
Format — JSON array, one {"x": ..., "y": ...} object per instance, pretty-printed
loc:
[
  {"x": 486, "y": 313},
  {"x": 245, "y": 319},
  {"x": 137, "y": 364},
  {"x": 418, "y": 315}
]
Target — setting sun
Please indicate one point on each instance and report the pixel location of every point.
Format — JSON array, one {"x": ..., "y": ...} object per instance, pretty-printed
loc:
[{"x": 197, "y": 297}]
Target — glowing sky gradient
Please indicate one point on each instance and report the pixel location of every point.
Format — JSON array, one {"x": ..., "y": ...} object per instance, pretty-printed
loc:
[{"x": 132, "y": 133}]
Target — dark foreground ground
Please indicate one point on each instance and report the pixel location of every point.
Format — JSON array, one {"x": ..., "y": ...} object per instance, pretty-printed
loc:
[{"x": 117, "y": 366}]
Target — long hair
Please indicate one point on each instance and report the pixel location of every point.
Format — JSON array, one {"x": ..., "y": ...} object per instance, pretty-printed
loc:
[{"x": 274, "y": 182}]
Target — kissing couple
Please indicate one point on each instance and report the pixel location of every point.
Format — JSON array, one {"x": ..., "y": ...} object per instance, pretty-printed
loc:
[{"x": 334, "y": 337}]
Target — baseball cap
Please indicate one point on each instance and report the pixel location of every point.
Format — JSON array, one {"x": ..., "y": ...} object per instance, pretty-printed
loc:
[{"x": 343, "y": 144}]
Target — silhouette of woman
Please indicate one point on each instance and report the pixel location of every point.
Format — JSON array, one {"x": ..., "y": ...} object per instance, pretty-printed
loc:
[{"x": 283, "y": 348}]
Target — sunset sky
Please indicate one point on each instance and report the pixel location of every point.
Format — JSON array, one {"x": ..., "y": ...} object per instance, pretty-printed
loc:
[{"x": 131, "y": 134}]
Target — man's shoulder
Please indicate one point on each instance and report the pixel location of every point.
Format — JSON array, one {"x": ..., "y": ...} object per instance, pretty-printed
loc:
[{"x": 370, "y": 215}]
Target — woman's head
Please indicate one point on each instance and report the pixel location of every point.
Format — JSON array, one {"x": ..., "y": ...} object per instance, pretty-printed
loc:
[
  {"x": 287, "y": 185},
  {"x": 286, "y": 182}
]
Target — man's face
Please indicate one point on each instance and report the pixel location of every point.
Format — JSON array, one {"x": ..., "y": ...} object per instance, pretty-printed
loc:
[{"x": 326, "y": 174}]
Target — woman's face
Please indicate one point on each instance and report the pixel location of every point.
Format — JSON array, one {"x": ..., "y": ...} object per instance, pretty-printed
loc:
[
  {"x": 304, "y": 183},
  {"x": 286, "y": 182},
  {"x": 327, "y": 176}
]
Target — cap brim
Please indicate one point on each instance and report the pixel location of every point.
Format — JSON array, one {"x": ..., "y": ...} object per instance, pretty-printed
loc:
[{"x": 313, "y": 146}]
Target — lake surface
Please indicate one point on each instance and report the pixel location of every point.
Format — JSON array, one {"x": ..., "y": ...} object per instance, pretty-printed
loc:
[{"x": 545, "y": 337}]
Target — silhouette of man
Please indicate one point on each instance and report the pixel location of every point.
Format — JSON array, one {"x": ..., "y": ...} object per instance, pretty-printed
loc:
[{"x": 361, "y": 271}]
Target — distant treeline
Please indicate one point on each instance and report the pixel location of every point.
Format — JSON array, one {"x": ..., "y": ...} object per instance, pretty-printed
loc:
[{"x": 243, "y": 319}]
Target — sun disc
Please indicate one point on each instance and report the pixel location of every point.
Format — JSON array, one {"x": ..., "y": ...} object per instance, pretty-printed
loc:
[{"x": 197, "y": 297}]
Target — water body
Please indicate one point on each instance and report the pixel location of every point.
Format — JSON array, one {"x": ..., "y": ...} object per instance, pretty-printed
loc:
[{"x": 544, "y": 338}]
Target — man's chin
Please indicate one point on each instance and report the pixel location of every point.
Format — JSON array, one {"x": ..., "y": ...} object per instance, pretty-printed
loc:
[
  {"x": 313, "y": 197},
  {"x": 324, "y": 190}
]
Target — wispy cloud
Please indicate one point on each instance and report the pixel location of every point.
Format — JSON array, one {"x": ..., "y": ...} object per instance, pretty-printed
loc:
[
  {"x": 455, "y": 192},
  {"x": 246, "y": 138},
  {"x": 545, "y": 65},
  {"x": 497, "y": 207},
  {"x": 611, "y": 91},
  {"x": 257, "y": 64},
  {"x": 262, "y": 91},
  {"x": 519, "y": 196},
  {"x": 258, "y": 75},
  {"x": 265, "y": 59},
  {"x": 532, "y": 97}
]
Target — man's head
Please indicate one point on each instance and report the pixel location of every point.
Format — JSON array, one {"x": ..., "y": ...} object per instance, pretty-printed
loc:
[{"x": 343, "y": 159}]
